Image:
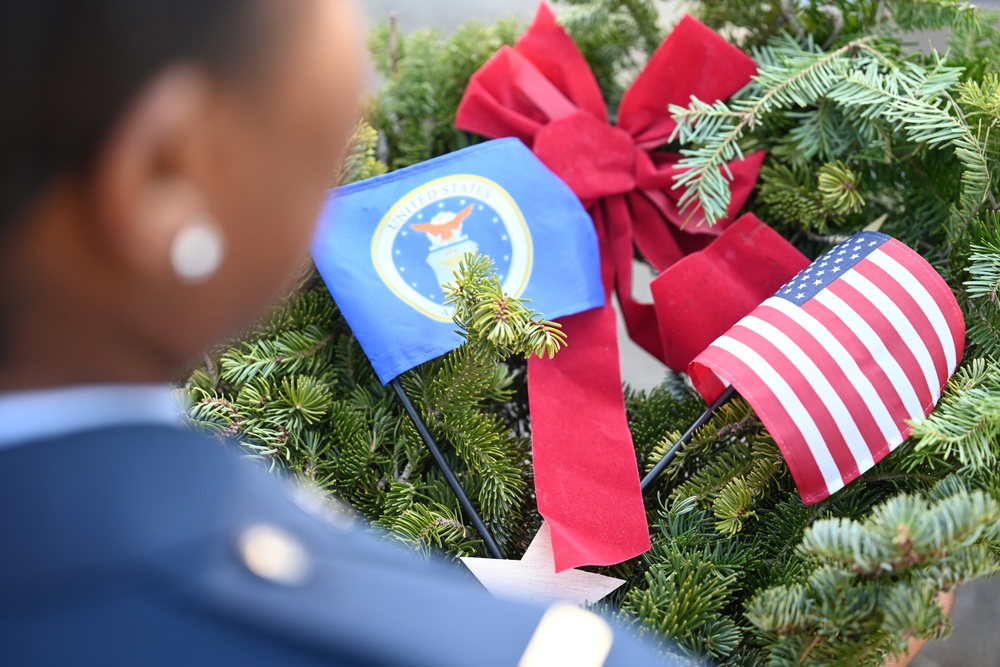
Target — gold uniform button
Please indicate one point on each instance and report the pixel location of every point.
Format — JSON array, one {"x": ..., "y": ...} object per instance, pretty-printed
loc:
[
  {"x": 273, "y": 554},
  {"x": 568, "y": 636}
]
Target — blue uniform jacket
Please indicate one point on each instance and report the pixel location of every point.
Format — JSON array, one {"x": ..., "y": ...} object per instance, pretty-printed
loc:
[{"x": 122, "y": 547}]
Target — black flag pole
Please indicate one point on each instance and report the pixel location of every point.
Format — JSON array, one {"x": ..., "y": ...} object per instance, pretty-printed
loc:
[
  {"x": 668, "y": 458},
  {"x": 449, "y": 474}
]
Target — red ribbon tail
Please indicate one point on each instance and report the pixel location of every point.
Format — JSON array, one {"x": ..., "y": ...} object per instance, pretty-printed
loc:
[
  {"x": 702, "y": 296},
  {"x": 586, "y": 475}
]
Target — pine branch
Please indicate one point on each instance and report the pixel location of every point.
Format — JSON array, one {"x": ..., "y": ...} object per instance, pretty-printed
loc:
[
  {"x": 838, "y": 185},
  {"x": 966, "y": 424},
  {"x": 703, "y": 171},
  {"x": 876, "y": 580},
  {"x": 858, "y": 78},
  {"x": 497, "y": 326},
  {"x": 913, "y": 15},
  {"x": 362, "y": 161},
  {"x": 924, "y": 119}
]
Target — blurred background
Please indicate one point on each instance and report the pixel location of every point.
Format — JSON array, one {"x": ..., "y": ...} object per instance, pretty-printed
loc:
[{"x": 976, "y": 618}]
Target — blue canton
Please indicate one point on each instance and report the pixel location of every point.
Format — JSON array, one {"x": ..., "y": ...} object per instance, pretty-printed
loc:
[{"x": 817, "y": 276}]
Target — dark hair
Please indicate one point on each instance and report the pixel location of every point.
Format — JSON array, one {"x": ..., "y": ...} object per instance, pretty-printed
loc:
[{"x": 69, "y": 67}]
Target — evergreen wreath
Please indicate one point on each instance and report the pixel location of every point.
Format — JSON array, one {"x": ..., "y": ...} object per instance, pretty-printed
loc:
[{"x": 859, "y": 133}]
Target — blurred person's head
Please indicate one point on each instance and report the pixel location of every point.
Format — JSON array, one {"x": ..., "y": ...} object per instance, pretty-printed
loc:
[{"x": 162, "y": 163}]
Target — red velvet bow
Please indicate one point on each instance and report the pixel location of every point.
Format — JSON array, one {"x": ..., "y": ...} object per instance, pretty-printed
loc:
[{"x": 543, "y": 92}]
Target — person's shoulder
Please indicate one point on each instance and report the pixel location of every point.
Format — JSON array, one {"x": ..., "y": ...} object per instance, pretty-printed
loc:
[
  {"x": 101, "y": 497},
  {"x": 165, "y": 542}
]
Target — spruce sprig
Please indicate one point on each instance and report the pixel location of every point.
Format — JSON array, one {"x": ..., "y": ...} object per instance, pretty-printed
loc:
[
  {"x": 875, "y": 581},
  {"x": 496, "y": 325},
  {"x": 866, "y": 83},
  {"x": 789, "y": 77},
  {"x": 966, "y": 424}
]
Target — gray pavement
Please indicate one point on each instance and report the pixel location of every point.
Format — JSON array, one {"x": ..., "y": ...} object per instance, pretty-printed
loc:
[
  {"x": 975, "y": 641},
  {"x": 446, "y": 14}
]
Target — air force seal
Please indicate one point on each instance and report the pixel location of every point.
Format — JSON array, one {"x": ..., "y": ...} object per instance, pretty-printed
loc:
[
  {"x": 400, "y": 236},
  {"x": 421, "y": 240}
]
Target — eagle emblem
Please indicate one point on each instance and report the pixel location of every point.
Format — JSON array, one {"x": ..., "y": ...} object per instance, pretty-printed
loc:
[
  {"x": 444, "y": 226},
  {"x": 423, "y": 238}
]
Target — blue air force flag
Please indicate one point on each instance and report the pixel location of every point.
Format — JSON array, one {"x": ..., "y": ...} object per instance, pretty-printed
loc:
[{"x": 386, "y": 246}]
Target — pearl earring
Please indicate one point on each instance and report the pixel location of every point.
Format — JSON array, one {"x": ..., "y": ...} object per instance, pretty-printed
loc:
[{"x": 198, "y": 249}]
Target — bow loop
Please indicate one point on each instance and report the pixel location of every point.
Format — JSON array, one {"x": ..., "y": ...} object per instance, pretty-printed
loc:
[
  {"x": 654, "y": 175},
  {"x": 520, "y": 90},
  {"x": 557, "y": 57},
  {"x": 693, "y": 61},
  {"x": 543, "y": 92},
  {"x": 509, "y": 97},
  {"x": 595, "y": 159}
]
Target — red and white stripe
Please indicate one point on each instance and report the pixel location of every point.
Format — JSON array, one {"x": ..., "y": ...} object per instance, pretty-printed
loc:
[{"x": 836, "y": 379}]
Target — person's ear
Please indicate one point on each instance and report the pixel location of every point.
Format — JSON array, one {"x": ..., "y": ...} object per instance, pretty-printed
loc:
[{"x": 146, "y": 185}]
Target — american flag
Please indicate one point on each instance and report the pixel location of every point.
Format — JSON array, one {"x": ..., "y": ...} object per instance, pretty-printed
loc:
[{"x": 839, "y": 359}]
